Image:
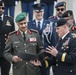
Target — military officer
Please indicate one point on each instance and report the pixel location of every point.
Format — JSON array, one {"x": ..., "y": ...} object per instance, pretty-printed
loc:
[
  {"x": 6, "y": 26},
  {"x": 68, "y": 15},
  {"x": 60, "y": 9},
  {"x": 23, "y": 41},
  {"x": 64, "y": 55},
  {"x": 46, "y": 30}
]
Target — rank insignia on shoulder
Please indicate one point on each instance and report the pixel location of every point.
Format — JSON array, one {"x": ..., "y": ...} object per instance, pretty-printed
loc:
[
  {"x": 34, "y": 30},
  {"x": 12, "y": 32},
  {"x": 7, "y": 39}
]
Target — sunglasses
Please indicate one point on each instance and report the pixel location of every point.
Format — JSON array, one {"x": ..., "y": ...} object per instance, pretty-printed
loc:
[
  {"x": 2, "y": 8},
  {"x": 58, "y": 9}
]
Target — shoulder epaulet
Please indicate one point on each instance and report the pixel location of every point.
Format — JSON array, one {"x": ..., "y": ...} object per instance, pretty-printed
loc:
[
  {"x": 73, "y": 35},
  {"x": 12, "y": 32},
  {"x": 9, "y": 16},
  {"x": 52, "y": 17},
  {"x": 34, "y": 30}
]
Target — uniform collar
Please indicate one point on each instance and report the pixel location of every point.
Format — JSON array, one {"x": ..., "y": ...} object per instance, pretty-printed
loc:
[
  {"x": 64, "y": 35},
  {"x": 2, "y": 16},
  {"x": 41, "y": 22},
  {"x": 22, "y": 32}
]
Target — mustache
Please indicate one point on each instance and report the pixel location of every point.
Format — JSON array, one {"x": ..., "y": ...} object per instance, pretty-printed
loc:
[{"x": 60, "y": 13}]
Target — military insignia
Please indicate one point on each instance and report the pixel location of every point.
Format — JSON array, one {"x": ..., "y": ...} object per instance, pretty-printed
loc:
[
  {"x": 66, "y": 42},
  {"x": 33, "y": 39},
  {"x": 33, "y": 30},
  {"x": 8, "y": 23},
  {"x": 29, "y": 32},
  {"x": 16, "y": 42},
  {"x": 69, "y": 14},
  {"x": 64, "y": 4},
  {"x": 55, "y": 23},
  {"x": 39, "y": 5},
  {"x": 74, "y": 35},
  {"x": 3, "y": 4}
]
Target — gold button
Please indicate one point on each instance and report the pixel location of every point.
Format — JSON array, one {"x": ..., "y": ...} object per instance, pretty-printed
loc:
[
  {"x": 56, "y": 64},
  {"x": 25, "y": 50},
  {"x": 26, "y": 62},
  {"x": 5, "y": 34},
  {"x": 24, "y": 43},
  {"x": 5, "y": 38},
  {"x": 16, "y": 46},
  {"x": 64, "y": 49},
  {"x": 15, "y": 67},
  {"x": 70, "y": 70},
  {"x": 56, "y": 60}
]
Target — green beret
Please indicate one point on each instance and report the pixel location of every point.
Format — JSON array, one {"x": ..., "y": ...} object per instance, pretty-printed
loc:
[{"x": 21, "y": 16}]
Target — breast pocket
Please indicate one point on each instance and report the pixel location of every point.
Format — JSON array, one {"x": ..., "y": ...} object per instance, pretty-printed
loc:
[{"x": 17, "y": 46}]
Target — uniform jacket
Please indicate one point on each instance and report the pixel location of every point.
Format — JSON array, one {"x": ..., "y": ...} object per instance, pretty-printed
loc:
[
  {"x": 68, "y": 46},
  {"x": 6, "y": 27},
  {"x": 47, "y": 1},
  {"x": 48, "y": 38},
  {"x": 16, "y": 44},
  {"x": 28, "y": 0}
]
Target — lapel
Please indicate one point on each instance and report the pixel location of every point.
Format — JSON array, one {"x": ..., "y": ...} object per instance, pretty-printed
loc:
[
  {"x": 64, "y": 41},
  {"x": 28, "y": 35},
  {"x": 67, "y": 37},
  {"x": 34, "y": 25},
  {"x": 19, "y": 36},
  {"x": 43, "y": 25},
  {"x": 3, "y": 24}
]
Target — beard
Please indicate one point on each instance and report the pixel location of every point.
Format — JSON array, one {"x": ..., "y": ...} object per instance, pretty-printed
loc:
[{"x": 60, "y": 14}]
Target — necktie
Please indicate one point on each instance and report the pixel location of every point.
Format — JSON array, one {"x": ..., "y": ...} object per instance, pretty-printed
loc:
[
  {"x": 24, "y": 36},
  {"x": 0, "y": 18},
  {"x": 38, "y": 25}
]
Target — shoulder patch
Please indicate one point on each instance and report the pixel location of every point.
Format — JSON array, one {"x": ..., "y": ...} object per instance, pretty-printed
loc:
[
  {"x": 12, "y": 32},
  {"x": 34, "y": 30}
]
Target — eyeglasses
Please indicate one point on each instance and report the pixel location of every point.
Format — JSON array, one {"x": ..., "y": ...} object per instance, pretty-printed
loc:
[{"x": 58, "y": 9}]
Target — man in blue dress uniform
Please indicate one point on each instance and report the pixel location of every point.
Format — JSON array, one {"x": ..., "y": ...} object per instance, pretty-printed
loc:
[{"x": 46, "y": 30}]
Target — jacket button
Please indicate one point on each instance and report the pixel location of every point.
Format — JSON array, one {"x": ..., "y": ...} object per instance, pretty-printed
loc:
[
  {"x": 15, "y": 67},
  {"x": 24, "y": 44},
  {"x": 70, "y": 70},
  {"x": 25, "y": 50},
  {"x": 56, "y": 64},
  {"x": 26, "y": 62},
  {"x": 56, "y": 60},
  {"x": 5, "y": 34}
]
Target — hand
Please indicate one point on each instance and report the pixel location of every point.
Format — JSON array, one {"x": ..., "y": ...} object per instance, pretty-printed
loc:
[
  {"x": 16, "y": 59},
  {"x": 36, "y": 63},
  {"x": 52, "y": 50}
]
